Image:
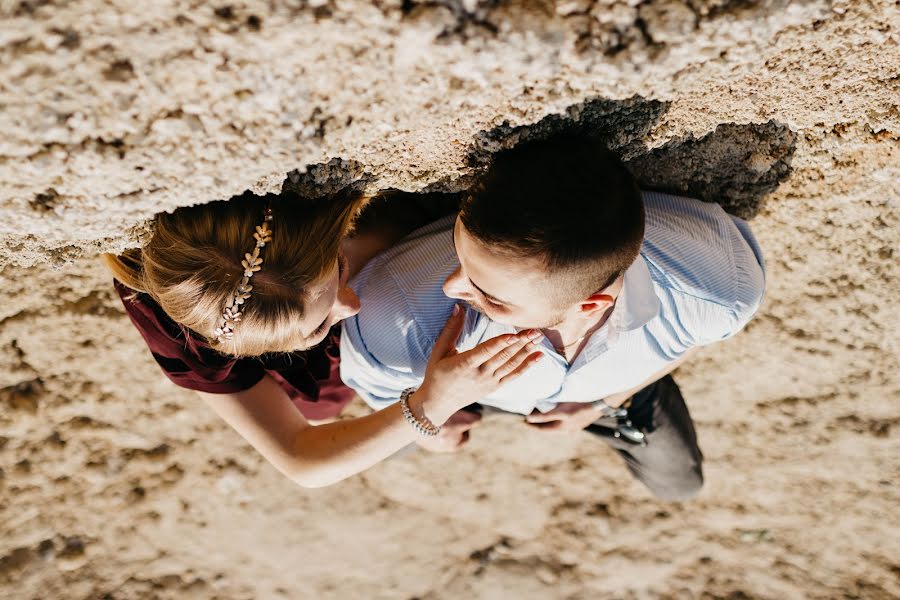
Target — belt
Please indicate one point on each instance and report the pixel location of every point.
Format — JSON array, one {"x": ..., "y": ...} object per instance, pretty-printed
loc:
[{"x": 615, "y": 424}]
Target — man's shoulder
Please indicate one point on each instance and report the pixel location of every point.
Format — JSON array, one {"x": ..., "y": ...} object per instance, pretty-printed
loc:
[
  {"x": 704, "y": 263},
  {"x": 403, "y": 306},
  {"x": 697, "y": 249},
  {"x": 677, "y": 227}
]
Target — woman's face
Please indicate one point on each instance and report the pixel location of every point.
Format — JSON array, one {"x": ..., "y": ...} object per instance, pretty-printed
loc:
[{"x": 331, "y": 302}]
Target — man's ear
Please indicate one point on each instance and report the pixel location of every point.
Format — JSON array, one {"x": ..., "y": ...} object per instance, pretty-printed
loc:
[{"x": 596, "y": 302}]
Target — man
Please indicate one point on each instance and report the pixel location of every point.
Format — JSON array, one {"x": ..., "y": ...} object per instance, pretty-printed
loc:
[{"x": 623, "y": 285}]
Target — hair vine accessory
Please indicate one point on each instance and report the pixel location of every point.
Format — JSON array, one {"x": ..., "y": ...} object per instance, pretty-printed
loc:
[{"x": 252, "y": 263}]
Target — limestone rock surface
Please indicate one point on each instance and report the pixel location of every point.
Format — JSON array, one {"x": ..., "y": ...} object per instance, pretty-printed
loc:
[{"x": 115, "y": 484}]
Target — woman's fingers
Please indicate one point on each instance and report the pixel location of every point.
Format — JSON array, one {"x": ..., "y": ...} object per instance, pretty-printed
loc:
[
  {"x": 513, "y": 363},
  {"x": 485, "y": 350},
  {"x": 445, "y": 345},
  {"x": 524, "y": 366},
  {"x": 506, "y": 360},
  {"x": 508, "y": 343},
  {"x": 503, "y": 354}
]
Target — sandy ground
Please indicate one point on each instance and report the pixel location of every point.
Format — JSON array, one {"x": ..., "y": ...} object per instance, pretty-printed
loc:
[{"x": 116, "y": 484}]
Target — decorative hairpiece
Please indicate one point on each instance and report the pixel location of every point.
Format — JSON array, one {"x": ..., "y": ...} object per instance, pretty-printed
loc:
[{"x": 252, "y": 263}]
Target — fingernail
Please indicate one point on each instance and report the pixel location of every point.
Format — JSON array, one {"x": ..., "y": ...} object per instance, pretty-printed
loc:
[
  {"x": 534, "y": 334},
  {"x": 455, "y": 309}
]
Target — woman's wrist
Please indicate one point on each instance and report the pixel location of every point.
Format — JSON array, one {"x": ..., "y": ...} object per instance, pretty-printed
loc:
[{"x": 437, "y": 410}]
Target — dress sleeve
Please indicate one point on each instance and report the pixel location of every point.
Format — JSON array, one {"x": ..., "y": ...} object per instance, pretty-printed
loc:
[{"x": 183, "y": 358}]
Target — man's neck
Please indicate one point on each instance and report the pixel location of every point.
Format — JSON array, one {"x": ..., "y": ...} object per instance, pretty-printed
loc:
[{"x": 570, "y": 336}]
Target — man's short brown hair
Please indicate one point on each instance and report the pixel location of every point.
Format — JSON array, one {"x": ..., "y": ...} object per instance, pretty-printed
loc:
[{"x": 567, "y": 200}]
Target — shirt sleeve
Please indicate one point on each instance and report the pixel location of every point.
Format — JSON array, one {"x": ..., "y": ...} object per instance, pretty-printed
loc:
[
  {"x": 383, "y": 349},
  {"x": 186, "y": 361},
  {"x": 376, "y": 383}
]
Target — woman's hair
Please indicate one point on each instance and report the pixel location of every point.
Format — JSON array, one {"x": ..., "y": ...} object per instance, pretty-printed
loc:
[{"x": 192, "y": 264}]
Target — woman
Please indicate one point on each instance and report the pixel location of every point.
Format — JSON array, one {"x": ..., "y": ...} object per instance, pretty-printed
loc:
[{"x": 229, "y": 294}]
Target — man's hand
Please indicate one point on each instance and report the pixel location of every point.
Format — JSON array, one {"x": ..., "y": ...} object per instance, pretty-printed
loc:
[
  {"x": 454, "y": 433},
  {"x": 567, "y": 416}
]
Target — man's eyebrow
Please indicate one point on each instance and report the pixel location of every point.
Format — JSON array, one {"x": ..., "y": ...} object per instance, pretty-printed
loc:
[
  {"x": 483, "y": 293},
  {"x": 490, "y": 297}
]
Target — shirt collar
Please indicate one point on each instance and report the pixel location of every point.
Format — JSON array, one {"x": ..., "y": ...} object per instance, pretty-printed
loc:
[{"x": 637, "y": 303}]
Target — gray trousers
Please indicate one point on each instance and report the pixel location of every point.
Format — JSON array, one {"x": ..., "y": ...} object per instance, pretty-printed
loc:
[{"x": 670, "y": 462}]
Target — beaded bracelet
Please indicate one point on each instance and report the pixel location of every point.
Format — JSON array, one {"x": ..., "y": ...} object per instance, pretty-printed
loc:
[{"x": 422, "y": 426}]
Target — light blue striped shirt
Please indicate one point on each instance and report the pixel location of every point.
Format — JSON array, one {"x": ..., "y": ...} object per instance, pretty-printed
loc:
[{"x": 698, "y": 280}]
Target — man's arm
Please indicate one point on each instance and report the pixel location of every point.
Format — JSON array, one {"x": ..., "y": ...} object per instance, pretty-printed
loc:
[
  {"x": 385, "y": 221},
  {"x": 377, "y": 384},
  {"x": 574, "y": 416},
  {"x": 618, "y": 399}
]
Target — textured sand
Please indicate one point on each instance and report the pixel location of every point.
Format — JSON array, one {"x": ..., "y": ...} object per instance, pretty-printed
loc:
[{"x": 114, "y": 483}]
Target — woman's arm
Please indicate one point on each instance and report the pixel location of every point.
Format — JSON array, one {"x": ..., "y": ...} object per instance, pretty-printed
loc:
[
  {"x": 319, "y": 455},
  {"x": 313, "y": 455}
]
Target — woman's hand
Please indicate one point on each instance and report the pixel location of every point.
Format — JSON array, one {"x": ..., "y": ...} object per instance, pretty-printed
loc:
[{"x": 454, "y": 380}]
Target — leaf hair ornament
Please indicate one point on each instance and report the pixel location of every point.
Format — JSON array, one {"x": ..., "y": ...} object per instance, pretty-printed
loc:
[{"x": 252, "y": 263}]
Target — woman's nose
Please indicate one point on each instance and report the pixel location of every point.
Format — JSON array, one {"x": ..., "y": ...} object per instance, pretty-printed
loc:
[
  {"x": 347, "y": 303},
  {"x": 456, "y": 286}
]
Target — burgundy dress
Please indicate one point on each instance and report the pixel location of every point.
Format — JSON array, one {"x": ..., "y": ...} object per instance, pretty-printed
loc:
[{"x": 311, "y": 378}]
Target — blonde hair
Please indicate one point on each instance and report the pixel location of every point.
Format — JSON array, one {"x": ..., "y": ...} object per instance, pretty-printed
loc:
[{"x": 192, "y": 263}]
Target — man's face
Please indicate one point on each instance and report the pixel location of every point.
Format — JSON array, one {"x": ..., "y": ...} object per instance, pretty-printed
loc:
[{"x": 513, "y": 291}]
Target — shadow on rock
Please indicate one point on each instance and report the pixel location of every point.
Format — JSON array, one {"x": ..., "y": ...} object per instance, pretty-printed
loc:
[
  {"x": 736, "y": 166},
  {"x": 621, "y": 125},
  {"x": 323, "y": 179}
]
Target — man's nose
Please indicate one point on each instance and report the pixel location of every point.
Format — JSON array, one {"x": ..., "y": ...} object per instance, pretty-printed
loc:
[
  {"x": 456, "y": 286},
  {"x": 347, "y": 303}
]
